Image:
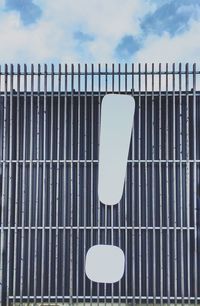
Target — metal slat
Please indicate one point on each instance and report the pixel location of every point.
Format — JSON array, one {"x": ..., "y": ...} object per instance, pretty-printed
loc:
[
  {"x": 57, "y": 184},
  {"x": 99, "y": 211},
  {"x": 64, "y": 189},
  {"x": 2, "y": 202},
  {"x": 71, "y": 191},
  {"x": 183, "y": 161},
  {"x": 167, "y": 189},
  {"x": 125, "y": 214},
  {"x": 85, "y": 184},
  {"x": 35, "y": 274},
  {"x": 51, "y": 187},
  {"x": 146, "y": 192},
  {"x": 78, "y": 189},
  {"x": 3, "y": 207},
  {"x": 160, "y": 190},
  {"x": 149, "y": 94},
  {"x": 23, "y": 189},
  {"x": 16, "y": 217},
  {"x": 187, "y": 182},
  {"x": 112, "y": 207},
  {"x": 110, "y": 73},
  {"x": 153, "y": 188},
  {"x": 87, "y": 298},
  {"x": 44, "y": 180},
  {"x": 30, "y": 190},
  {"x": 195, "y": 186},
  {"x": 181, "y": 183},
  {"x": 106, "y": 206},
  {"x": 140, "y": 188},
  {"x": 174, "y": 186},
  {"x": 143, "y": 228},
  {"x": 92, "y": 174},
  {"x": 119, "y": 208},
  {"x": 133, "y": 200},
  {"x": 10, "y": 187}
]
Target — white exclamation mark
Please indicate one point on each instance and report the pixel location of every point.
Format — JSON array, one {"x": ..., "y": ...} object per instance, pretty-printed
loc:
[{"x": 105, "y": 263}]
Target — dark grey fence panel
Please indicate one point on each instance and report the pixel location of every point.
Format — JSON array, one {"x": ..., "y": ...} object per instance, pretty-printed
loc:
[{"x": 50, "y": 213}]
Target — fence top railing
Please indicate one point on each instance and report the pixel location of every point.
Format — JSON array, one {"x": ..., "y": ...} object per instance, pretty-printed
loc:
[
  {"x": 100, "y": 77},
  {"x": 96, "y": 69}
]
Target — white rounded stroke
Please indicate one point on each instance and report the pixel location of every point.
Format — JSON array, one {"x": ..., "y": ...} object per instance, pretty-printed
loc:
[{"x": 114, "y": 145}]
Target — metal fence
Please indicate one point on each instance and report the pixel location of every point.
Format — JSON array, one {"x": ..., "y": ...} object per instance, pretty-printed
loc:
[{"x": 50, "y": 212}]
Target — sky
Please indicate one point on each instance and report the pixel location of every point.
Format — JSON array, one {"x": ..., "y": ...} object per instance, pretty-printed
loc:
[{"x": 99, "y": 31}]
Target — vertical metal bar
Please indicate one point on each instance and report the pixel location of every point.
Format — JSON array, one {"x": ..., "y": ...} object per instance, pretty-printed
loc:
[
  {"x": 174, "y": 185},
  {"x": 133, "y": 199},
  {"x": 119, "y": 78},
  {"x": 167, "y": 189},
  {"x": 37, "y": 188},
  {"x": 92, "y": 167},
  {"x": 57, "y": 181},
  {"x": 64, "y": 189},
  {"x": 140, "y": 187},
  {"x": 119, "y": 205},
  {"x": 125, "y": 80},
  {"x": 188, "y": 180},
  {"x": 44, "y": 185},
  {"x": 125, "y": 207},
  {"x": 1, "y": 217},
  {"x": 181, "y": 181},
  {"x": 30, "y": 189},
  {"x": 106, "y": 209},
  {"x": 146, "y": 191},
  {"x": 153, "y": 188},
  {"x": 3, "y": 201},
  {"x": 78, "y": 189},
  {"x": 57, "y": 184},
  {"x": 160, "y": 189},
  {"x": 85, "y": 178},
  {"x": 16, "y": 211},
  {"x": 51, "y": 186},
  {"x": 111, "y": 208},
  {"x": 113, "y": 78},
  {"x": 23, "y": 187},
  {"x": 71, "y": 191},
  {"x": 10, "y": 176},
  {"x": 106, "y": 78},
  {"x": 99, "y": 120},
  {"x": 195, "y": 180}
]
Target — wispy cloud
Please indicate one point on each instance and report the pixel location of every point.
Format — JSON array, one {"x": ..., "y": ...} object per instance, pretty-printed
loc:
[
  {"x": 172, "y": 17},
  {"x": 82, "y": 37},
  {"x": 28, "y": 10},
  {"x": 127, "y": 47}
]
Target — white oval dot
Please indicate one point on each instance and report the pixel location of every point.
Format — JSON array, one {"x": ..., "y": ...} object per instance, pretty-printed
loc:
[{"x": 105, "y": 264}]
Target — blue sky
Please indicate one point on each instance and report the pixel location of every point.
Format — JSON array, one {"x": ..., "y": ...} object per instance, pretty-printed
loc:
[
  {"x": 85, "y": 31},
  {"x": 28, "y": 11}
]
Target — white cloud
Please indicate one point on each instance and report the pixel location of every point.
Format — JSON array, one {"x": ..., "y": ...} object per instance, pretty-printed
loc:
[
  {"x": 185, "y": 47},
  {"x": 51, "y": 39},
  {"x": 104, "y": 18}
]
